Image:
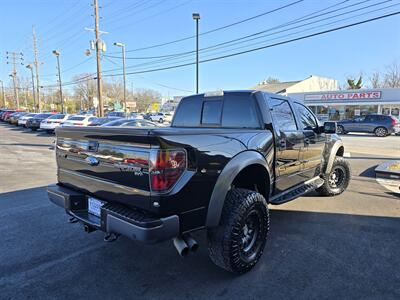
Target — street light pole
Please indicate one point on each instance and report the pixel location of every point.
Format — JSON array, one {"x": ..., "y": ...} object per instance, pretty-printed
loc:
[
  {"x": 30, "y": 66},
  {"x": 2, "y": 93},
  {"x": 196, "y": 16},
  {"x": 57, "y": 54},
  {"x": 124, "y": 73}
]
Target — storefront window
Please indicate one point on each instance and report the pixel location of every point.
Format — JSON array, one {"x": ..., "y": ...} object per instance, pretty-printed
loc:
[{"x": 395, "y": 111}]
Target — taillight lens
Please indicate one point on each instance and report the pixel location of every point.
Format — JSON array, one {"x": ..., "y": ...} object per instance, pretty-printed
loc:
[
  {"x": 394, "y": 121},
  {"x": 167, "y": 166}
]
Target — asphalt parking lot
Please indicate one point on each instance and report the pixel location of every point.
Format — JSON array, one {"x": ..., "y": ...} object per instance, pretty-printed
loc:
[{"x": 318, "y": 248}]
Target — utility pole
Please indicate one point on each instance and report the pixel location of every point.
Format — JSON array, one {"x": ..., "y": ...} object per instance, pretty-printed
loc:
[
  {"x": 3, "y": 94},
  {"x": 36, "y": 63},
  {"x": 122, "y": 46},
  {"x": 98, "y": 58},
  {"x": 57, "y": 54},
  {"x": 30, "y": 67},
  {"x": 12, "y": 58},
  {"x": 196, "y": 17}
]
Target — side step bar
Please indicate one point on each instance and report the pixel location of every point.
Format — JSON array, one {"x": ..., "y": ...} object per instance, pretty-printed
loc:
[{"x": 297, "y": 191}]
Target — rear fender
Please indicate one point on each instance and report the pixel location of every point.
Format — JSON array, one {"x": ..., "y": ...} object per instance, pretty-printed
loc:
[{"x": 225, "y": 180}]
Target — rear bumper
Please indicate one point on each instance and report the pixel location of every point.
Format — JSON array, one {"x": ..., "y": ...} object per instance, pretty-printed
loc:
[
  {"x": 115, "y": 218},
  {"x": 32, "y": 126},
  {"x": 47, "y": 126}
]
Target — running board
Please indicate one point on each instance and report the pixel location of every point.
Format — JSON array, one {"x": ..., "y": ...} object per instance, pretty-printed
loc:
[{"x": 297, "y": 191}]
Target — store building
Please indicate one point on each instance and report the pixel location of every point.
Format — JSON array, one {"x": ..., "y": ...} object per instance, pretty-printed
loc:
[
  {"x": 339, "y": 105},
  {"x": 312, "y": 83}
]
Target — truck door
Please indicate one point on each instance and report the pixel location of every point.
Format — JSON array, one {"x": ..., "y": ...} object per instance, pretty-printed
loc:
[
  {"x": 288, "y": 140},
  {"x": 314, "y": 142}
]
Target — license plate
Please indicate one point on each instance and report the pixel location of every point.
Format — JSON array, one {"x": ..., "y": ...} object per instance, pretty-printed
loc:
[{"x": 94, "y": 206}]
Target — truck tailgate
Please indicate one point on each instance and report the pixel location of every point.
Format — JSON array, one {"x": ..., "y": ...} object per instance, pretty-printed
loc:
[{"x": 108, "y": 163}]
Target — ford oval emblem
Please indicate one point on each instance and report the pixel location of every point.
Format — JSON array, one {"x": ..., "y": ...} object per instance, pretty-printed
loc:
[{"x": 93, "y": 161}]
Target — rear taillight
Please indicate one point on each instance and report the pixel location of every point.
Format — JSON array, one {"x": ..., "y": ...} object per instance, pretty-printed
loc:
[
  {"x": 167, "y": 166},
  {"x": 79, "y": 123},
  {"x": 58, "y": 122},
  {"x": 394, "y": 121}
]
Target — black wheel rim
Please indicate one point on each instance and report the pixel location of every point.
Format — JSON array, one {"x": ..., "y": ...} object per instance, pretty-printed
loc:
[
  {"x": 337, "y": 177},
  {"x": 250, "y": 235}
]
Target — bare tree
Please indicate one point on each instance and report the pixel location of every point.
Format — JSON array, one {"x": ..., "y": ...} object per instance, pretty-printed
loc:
[
  {"x": 375, "y": 80},
  {"x": 391, "y": 77},
  {"x": 145, "y": 97},
  {"x": 85, "y": 90}
]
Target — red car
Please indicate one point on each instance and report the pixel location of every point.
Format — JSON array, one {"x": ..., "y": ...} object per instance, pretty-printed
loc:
[{"x": 6, "y": 115}]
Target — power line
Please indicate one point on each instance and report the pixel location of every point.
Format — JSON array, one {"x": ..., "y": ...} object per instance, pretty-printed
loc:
[
  {"x": 128, "y": 13},
  {"x": 245, "y": 39},
  {"x": 193, "y": 51},
  {"x": 262, "y": 47},
  {"x": 219, "y": 28},
  {"x": 154, "y": 15},
  {"x": 294, "y": 33},
  {"x": 153, "y": 82}
]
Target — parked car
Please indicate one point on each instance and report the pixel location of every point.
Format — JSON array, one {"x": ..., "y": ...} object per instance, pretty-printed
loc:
[
  {"x": 131, "y": 122},
  {"x": 157, "y": 117},
  {"x": 6, "y": 115},
  {"x": 103, "y": 120},
  {"x": 23, "y": 119},
  {"x": 223, "y": 161},
  {"x": 16, "y": 116},
  {"x": 79, "y": 120},
  {"x": 380, "y": 125},
  {"x": 168, "y": 117},
  {"x": 135, "y": 115},
  {"x": 119, "y": 114},
  {"x": 34, "y": 122},
  {"x": 53, "y": 121}
]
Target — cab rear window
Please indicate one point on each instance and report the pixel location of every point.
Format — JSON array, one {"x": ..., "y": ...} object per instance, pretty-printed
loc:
[{"x": 228, "y": 111}]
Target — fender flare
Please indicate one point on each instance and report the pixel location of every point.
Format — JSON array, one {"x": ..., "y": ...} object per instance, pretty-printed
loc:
[
  {"x": 225, "y": 179},
  {"x": 332, "y": 150}
]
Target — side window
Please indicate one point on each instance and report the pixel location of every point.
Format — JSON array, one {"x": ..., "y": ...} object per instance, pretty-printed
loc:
[
  {"x": 188, "y": 113},
  {"x": 282, "y": 114},
  {"x": 239, "y": 112},
  {"x": 211, "y": 112},
  {"x": 307, "y": 119}
]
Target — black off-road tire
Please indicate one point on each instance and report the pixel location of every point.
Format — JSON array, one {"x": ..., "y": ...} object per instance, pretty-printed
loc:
[
  {"x": 381, "y": 132},
  {"x": 227, "y": 243},
  {"x": 342, "y": 167}
]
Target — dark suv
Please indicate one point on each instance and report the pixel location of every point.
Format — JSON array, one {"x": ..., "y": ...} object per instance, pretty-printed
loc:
[{"x": 380, "y": 125}]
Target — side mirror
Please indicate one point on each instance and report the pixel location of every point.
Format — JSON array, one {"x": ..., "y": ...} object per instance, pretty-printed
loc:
[{"x": 330, "y": 127}]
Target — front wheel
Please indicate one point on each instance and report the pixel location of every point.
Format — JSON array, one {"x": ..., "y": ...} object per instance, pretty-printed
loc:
[
  {"x": 337, "y": 181},
  {"x": 238, "y": 242},
  {"x": 381, "y": 132},
  {"x": 161, "y": 121}
]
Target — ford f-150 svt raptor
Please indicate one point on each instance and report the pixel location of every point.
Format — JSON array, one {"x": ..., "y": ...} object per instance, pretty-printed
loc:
[{"x": 224, "y": 159}]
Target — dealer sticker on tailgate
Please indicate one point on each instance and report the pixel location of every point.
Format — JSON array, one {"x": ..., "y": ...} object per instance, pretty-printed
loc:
[{"x": 94, "y": 206}]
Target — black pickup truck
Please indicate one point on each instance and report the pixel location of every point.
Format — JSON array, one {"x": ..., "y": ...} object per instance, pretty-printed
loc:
[{"x": 225, "y": 157}]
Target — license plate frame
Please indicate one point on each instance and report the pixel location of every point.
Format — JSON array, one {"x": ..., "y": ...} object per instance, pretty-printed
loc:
[{"x": 94, "y": 206}]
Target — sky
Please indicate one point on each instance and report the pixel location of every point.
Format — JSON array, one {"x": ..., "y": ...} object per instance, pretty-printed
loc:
[{"x": 60, "y": 24}]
